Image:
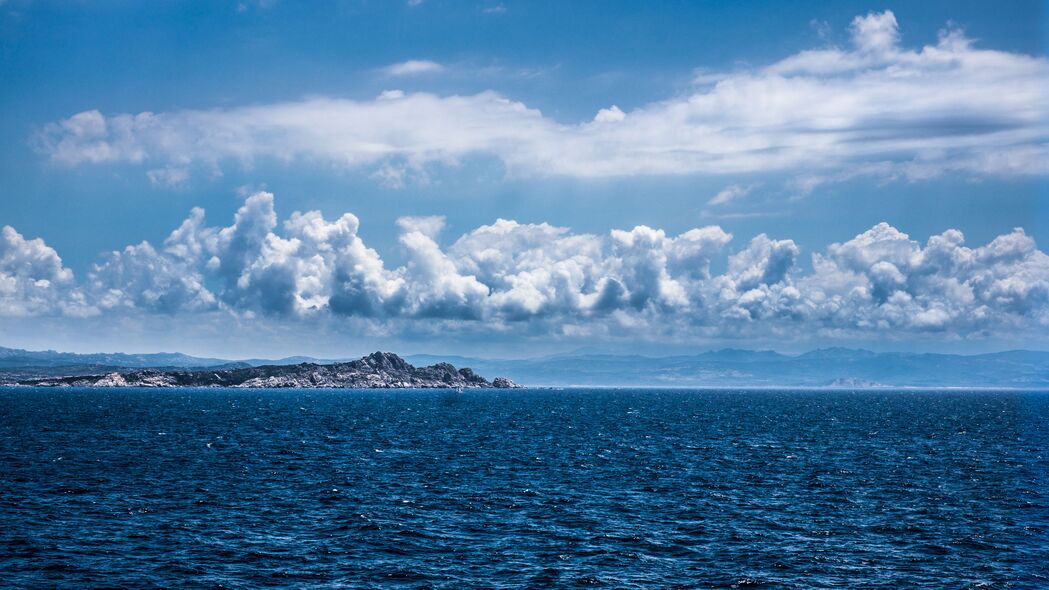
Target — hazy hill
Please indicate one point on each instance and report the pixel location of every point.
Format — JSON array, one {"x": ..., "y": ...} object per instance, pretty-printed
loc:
[
  {"x": 842, "y": 367},
  {"x": 735, "y": 368}
]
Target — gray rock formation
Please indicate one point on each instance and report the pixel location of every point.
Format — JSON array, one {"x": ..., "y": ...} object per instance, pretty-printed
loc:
[{"x": 377, "y": 370}]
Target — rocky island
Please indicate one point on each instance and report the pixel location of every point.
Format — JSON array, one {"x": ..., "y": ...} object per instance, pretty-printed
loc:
[{"x": 379, "y": 370}]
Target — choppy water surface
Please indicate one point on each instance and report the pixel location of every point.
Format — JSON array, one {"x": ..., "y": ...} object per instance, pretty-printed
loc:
[{"x": 608, "y": 488}]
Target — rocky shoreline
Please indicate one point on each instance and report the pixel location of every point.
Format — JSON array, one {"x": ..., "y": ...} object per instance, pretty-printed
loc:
[{"x": 379, "y": 370}]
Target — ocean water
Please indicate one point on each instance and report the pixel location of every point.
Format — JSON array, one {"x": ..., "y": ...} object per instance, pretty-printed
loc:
[{"x": 523, "y": 489}]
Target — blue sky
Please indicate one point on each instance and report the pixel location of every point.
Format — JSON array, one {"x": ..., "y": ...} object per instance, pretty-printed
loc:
[{"x": 808, "y": 123}]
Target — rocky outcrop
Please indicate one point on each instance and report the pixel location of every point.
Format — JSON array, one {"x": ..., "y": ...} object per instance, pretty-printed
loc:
[
  {"x": 504, "y": 383},
  {"x": 377, "y": 370}
]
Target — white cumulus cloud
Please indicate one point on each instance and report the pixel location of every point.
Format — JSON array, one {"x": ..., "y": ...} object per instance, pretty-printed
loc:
[
  {"x": 542, "y": 278},
  {"x": 33, "y": 280}
]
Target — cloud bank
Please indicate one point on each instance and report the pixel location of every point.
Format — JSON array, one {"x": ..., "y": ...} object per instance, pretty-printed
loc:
[
  {"x": 874, "y": 107},
  {"x": 540, "y": 278}
]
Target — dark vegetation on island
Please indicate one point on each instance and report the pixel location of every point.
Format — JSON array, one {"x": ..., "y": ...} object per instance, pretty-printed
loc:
[
  {"x": 841, "y": 368},
  {"x": 379, "y": 370}
]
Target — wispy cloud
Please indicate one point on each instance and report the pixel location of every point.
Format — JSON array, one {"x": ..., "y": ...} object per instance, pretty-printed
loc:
[
  {"x": 168, "y": 177},
  {"x": 413, "y": 67},
  {"x": 730, "y": 193},
  {"x": 949, "y": 107}
]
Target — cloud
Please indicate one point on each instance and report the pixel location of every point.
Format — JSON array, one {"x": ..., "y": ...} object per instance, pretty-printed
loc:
[
  {"x": 435, "y": 287},
  {"x": 544, "y": 279},
  {"x": 413, "y": 67},
  {"x": 169, "y": 177},
  {"x": 882, "y": 279},
  {"x": 613, "y": 114},
  {"x": 875, "y": 107},
  {"x": 139, "y": 277},
  {"x": 429, "y": 226},
  {"x": 730, "y": 193},
  {"x": 876, "y": 32},
  {"x": 33, "y": 280}
]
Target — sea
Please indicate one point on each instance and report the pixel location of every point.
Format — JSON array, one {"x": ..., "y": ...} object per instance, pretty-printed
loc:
[{"x": 530, "y": 488}]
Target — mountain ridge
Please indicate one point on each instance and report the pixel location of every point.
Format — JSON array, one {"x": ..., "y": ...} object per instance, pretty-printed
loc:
[{"x": 832, "y": 367}]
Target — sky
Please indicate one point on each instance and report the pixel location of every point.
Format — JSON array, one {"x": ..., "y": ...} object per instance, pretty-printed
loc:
[{"x": 500, "y": 178}]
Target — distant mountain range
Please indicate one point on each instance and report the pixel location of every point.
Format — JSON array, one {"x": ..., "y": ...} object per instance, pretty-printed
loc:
[
  {"x": 828, "y": 367},
  {"x": 14, "y": 358},
  {"x": 45, "y": 363}
]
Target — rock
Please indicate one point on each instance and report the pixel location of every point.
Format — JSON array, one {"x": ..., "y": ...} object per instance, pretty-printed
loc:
[
  {"x": 852, "y": 382},
  {"x": 504, "y": 383},
  {"x": 377, "y": 370}
]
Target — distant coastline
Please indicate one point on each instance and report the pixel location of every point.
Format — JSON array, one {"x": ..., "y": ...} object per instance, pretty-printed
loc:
[{"x": 829, "y": 368}]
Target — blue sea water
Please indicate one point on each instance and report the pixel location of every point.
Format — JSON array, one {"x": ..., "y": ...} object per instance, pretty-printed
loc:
[{"x": 524, "y": 489}]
